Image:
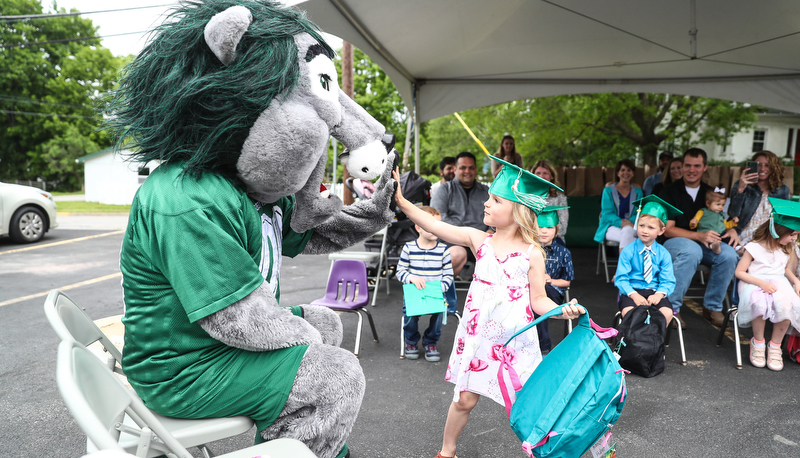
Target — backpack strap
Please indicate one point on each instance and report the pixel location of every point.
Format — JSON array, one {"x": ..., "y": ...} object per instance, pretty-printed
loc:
[{"x": 554, "y": 312}]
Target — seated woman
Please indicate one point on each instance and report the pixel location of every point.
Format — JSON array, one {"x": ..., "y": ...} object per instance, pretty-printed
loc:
[
  {"x": 674, "y": 171},
  {"x": 749, "y": 194},
  {"x": 616, "y": 207},
  {"x": 545, "y": 170}
]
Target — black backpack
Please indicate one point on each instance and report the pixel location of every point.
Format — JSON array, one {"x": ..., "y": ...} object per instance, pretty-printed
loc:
[{"x": 640, "y": 342}]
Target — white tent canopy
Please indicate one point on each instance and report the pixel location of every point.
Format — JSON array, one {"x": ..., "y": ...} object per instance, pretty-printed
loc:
[{"x": 450, "y": 55}]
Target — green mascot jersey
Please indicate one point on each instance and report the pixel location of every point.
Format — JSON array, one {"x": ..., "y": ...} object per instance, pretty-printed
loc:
[{"x": 194, "y": 246}]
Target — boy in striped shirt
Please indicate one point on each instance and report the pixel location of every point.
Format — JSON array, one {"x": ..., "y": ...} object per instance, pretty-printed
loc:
[{"x": 424, "y": 259}]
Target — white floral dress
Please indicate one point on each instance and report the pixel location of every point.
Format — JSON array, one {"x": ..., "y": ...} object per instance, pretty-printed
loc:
[
  {"x": 497, "y": 306},
  {"x": 781, "y": 305}
]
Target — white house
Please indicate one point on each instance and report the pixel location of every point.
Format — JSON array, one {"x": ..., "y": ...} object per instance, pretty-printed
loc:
[
  {"x": 775, "y": 131},
  {"x": 110, "y": 179}
]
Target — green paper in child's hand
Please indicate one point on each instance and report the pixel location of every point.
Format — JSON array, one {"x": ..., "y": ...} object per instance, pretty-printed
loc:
[{"x": 424, "y": 301}]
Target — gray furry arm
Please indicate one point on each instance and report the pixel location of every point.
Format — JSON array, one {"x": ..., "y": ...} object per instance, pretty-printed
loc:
[
  {"x": 257, "y": 323},
  {"x": 356, "y": 222}
]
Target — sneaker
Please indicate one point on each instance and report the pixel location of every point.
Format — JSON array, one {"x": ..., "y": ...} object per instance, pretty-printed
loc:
[
  {"x": 757, "y": 358},
  {"x": 432, "y": 353},
  {"x": 774, "y": 358},
  {"x": 412, "y": 352}
]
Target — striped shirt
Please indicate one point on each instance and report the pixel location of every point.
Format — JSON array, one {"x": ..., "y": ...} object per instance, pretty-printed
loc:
[{"x": 430, "y": 265}]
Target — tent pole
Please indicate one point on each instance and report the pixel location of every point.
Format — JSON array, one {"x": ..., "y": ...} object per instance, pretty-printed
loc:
[{"x": 416, "y": 128}]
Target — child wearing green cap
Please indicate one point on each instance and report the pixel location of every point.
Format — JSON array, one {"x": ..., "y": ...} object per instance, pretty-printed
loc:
[
  {"x": 559, "y": 272},
  {"x": 645, "y": 274},
  {"x": 507, "y": 287},
  {"x": 768, "y": 287}
]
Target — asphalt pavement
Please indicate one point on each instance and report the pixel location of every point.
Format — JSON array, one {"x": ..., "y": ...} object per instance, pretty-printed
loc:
[{"x": 706, "y": 408}]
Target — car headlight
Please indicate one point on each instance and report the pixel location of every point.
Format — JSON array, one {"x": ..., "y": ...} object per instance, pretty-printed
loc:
[{"x": 47, "y": 195}]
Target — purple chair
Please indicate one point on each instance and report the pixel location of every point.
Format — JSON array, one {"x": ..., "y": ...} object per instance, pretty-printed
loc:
[{"x": 348, "y": 291}]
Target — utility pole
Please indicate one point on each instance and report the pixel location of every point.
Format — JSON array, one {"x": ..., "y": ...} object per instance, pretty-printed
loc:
[{"x": 347, "y": 87}]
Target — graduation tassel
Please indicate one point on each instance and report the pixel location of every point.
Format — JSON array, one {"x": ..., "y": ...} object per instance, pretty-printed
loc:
[{"x": 772, "y": 227}]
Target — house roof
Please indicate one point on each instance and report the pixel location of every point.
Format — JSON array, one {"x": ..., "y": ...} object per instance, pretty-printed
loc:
[{"x": 102, "y": 152}]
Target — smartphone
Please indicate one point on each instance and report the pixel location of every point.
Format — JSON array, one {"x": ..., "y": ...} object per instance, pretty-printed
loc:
[{"x": 752, "y": 167}]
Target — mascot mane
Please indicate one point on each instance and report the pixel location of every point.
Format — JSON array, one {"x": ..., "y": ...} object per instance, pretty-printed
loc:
[{"x": 178, "y": 102}]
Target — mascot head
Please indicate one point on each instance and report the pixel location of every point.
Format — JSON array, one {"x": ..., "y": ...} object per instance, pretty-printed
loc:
[{"x": 246, "y": 89}]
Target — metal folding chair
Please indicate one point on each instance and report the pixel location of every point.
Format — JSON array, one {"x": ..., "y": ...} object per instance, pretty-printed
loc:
[
  {"x": 618, "y": 320},
  {"x": 602, "y": 255}
]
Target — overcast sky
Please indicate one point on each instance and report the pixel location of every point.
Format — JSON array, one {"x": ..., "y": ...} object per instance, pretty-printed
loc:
[{"x": 138, "y": 21}]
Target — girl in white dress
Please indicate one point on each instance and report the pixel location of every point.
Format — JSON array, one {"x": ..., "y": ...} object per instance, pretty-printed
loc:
[
  {"x": 768, "y": 288},
  {"x": 508, "y": 286}
]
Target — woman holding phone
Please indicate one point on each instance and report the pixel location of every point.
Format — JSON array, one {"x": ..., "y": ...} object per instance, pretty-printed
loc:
[{"x": 749, "y": 194}]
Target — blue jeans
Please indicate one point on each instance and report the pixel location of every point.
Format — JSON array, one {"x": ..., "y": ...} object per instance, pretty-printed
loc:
[
  {"x": 686, "y": 256},
  {"x": 411, "y": 328},
  {"x": 452, "y": 299}
]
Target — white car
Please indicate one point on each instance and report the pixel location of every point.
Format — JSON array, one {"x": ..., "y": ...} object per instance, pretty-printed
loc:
[{"x": 26, "y": 213}]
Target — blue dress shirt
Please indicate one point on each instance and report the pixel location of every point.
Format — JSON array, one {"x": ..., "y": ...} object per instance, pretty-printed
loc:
[{"x": 630, "y": 269}]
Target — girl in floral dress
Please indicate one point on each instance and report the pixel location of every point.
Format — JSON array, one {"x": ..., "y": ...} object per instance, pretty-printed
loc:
[
  {"x": 508, "y": 286},
  {"x": 768, "y": 286}
]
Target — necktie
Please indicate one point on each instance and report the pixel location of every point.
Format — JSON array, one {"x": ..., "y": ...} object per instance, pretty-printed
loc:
[{"x": 648, "y": 265}]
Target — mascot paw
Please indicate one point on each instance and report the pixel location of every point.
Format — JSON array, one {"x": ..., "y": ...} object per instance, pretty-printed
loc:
[{"x": 326, "y": 321}]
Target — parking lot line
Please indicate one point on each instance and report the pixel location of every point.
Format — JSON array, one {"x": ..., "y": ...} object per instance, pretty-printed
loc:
[
  {"x": 62, "y": 288},
  {"x": 46, "y": 245}
]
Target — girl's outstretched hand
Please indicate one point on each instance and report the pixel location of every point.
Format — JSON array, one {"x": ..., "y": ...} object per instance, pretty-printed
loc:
[
  {"x": 571, "y": 310},
  {"x": 398, "y": 194}
]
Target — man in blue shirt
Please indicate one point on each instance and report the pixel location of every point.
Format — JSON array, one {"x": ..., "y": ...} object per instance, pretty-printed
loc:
[
  {"x": 650, "y": 182},
  {"x": 644, "y": 273}
]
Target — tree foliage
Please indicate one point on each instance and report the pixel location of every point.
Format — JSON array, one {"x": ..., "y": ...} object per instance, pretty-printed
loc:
[
  {"x": 591, "y": 129},
  {"x": 50, "y": 94}
]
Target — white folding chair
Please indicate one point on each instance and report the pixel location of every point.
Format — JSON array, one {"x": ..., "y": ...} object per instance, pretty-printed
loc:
[
  {"x": 71, "y": 323},
  {"x": 602, "y": 256},
  {"x": 381, "y": 257},
  {"x": 98, "y": 401}
]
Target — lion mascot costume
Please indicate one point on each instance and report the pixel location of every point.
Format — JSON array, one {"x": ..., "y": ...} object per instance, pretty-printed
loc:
[{"x": 238, "y": 99}]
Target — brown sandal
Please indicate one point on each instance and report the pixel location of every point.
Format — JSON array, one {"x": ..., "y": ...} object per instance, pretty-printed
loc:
[{"x": 439, "y": 455}]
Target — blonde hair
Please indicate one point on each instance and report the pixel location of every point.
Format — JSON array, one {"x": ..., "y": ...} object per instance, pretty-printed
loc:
[
  {"x": 430, "y": 210},
  {"x": 763, "y": 236},
  {"x": 712, "y": 196},
  {"x": 527, "y": 225},
  {"x": 661, "y": 224}
]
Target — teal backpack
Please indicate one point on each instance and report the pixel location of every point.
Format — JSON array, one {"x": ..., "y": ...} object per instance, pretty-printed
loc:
[{"x": 572, "y": 398}]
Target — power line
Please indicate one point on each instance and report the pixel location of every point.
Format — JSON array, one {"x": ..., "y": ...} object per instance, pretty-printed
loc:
[
  {"x": 34, "y": 113},
  {"x": 77, "y": 13},
  {"x": 66, "y": 40}
]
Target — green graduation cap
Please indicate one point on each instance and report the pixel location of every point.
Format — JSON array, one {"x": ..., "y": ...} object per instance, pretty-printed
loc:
[
  {"x": 549, "y": 216},
  {"x": 518, "y": 185},
  {"x": 784, "y": 212},
  {"x": 655, "y": 206}
]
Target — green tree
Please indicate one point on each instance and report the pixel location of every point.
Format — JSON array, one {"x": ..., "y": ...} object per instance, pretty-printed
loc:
[{"x": 51, "y": 93}]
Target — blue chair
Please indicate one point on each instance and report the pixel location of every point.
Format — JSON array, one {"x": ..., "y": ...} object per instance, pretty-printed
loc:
[{"x": 348, "y": 291}]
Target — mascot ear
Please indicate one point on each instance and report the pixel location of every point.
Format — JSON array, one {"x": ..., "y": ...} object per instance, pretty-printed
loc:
[{"x": 225, "y": 29}]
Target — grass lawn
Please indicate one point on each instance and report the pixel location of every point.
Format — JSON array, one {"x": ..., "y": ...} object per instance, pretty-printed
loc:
[{"x": 90, "y": 207}]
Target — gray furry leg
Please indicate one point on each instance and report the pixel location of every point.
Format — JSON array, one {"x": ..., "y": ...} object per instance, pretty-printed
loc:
[
  {"x": 324, "y": 401},
  {"x": 326, "y": 321}
]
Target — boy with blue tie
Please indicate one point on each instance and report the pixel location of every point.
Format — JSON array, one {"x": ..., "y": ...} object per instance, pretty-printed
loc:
[{"x": 644, "y": 273}]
